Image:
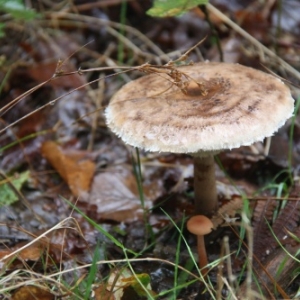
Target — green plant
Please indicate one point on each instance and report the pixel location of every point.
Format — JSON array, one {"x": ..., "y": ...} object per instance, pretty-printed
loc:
[
  {"x": 17, "y": 10},
  {"x": 10, "y": 188},
  {"x": 170, "y": 8}
]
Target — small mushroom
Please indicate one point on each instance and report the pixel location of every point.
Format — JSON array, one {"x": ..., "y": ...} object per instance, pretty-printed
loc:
[
  {"x": 200, "y": 225},
  {"x": 200, "y": 109}
]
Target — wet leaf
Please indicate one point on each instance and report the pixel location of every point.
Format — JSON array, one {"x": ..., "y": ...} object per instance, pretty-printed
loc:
[
  {"x": 32, "y": 292},
  {"x": 170, "y": 8},
  {"x": 102, "y": 293},
  {"x": 123, "y": 279},
  {"x": 114, "y": 196},
  {"x": 77, "y": 173},
  {"x": 140, "y": 283},
  {"x": 32, "y": 252},
  {"x": 17, "y": 9},
  {"x": 226, "y": 213},
  {"x": 8, "y": 193}
]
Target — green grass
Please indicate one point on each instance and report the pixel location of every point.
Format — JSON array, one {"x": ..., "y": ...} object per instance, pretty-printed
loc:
[{"x": 184, "y": 276}]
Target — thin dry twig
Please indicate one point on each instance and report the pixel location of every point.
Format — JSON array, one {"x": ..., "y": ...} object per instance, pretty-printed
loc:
[
  {"x": 84, "y": 21},
  {"x": 99, "y": 4},
  {"x": 254, "y": 41},
  {"x": 180, "y": 79}
]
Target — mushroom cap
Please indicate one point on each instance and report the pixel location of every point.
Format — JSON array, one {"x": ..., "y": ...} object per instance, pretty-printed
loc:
[
  {"x": 237, "y": 106},
  {"x": 199, "y": 225}
]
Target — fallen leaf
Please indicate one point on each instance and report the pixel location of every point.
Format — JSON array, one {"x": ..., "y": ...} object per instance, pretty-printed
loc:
[
  {"x": 163, "y": 8},
  {"x": 9, "y": 186},
  {"x": 120, "y": 280},
  {"x": 31, "y": 292},
  {"x": 114, "y": 196},
  {"x": 44, "y": 68},
  {"x": 32, "y": 252},
  {"x": 102, "y": 293},
  {"x": 140, "y": 283},
  {"x": 77, "y": 173}
]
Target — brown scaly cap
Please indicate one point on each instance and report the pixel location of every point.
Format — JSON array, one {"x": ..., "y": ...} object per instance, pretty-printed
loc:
[{"x": 236, "y": 106}]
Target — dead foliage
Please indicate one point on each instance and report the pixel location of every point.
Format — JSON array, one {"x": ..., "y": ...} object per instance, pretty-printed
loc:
[{"x": 90, "y": 203}]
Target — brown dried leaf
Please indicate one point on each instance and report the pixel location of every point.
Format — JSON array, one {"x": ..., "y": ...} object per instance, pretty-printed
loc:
[
  {"x": 124, "y": 285},
  {"x": 32, "y": 252},
  {"x": 31, "y": 293},
  {"x": 43, "y": 71},
  {"x": 262, "y": 215},
  {"x": 227, "y": 211},
  {"x": 77, "y": 174},
  {"x": 41, "y": 50},
  {"x": 254, "y": 22},
  {"x": 102, "y": 293},
  {"x": 114, "y": 196},
  {"x": 270, "y": 278}
]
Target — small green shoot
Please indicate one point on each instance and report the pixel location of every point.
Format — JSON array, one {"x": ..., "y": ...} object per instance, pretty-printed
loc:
[
  {"x": 179, "y": 287},
  {"x": 137, "y": 171},
  {"x": 290, "y": 154},
  {"x": 141, "y": 283},
  {"x": 139, "y": 286},
  {"x": 17, "y": 9},
  {"x": 136, "y": 164},
  {"x": 280, "y": 190},
  {"x": 293, "y": 236},
  {"x": 2, "y": 60},
  {"x": 92, "y": 273},
  {"x": 100, "y": 229},
  {"x": 280, "y": 244},
  {"x": 122, "y": 32},
  {"x": 9, "y": 188},
  {"x": 23, "y": 139},
  {"x": 177, "y": 258},
  {"x": 171, "y": 8},
  {"x": 246, "y": 212},
  {"x": 2, "y": 34}
]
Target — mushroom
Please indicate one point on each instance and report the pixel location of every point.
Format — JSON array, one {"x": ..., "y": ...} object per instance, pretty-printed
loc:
[
  {"x": 200, "y": 225},
  {"x": 200, "y": 109}
]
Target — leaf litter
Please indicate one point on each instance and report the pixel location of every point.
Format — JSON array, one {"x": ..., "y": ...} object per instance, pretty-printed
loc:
[{"x": 100, "y": 181}]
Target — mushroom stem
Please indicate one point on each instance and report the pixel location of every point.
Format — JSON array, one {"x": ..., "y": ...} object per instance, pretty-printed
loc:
[
  {"x": 202, "y": 255},
  {"x": 200, "y": 225},
  {"x": 206, "y": 201}
]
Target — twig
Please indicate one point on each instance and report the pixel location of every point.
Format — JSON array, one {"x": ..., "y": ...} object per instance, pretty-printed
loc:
[
  {"x": 99, "y": 4},
  {"x": 82, "y": 20},
  {"x": 254, "y": 41}
]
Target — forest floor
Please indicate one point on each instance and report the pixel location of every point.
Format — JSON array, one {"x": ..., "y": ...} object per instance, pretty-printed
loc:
[{"x": 85, "y": 216}]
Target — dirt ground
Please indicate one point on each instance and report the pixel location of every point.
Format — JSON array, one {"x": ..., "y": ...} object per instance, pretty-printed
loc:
[{"x": 84, "y": 215}]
